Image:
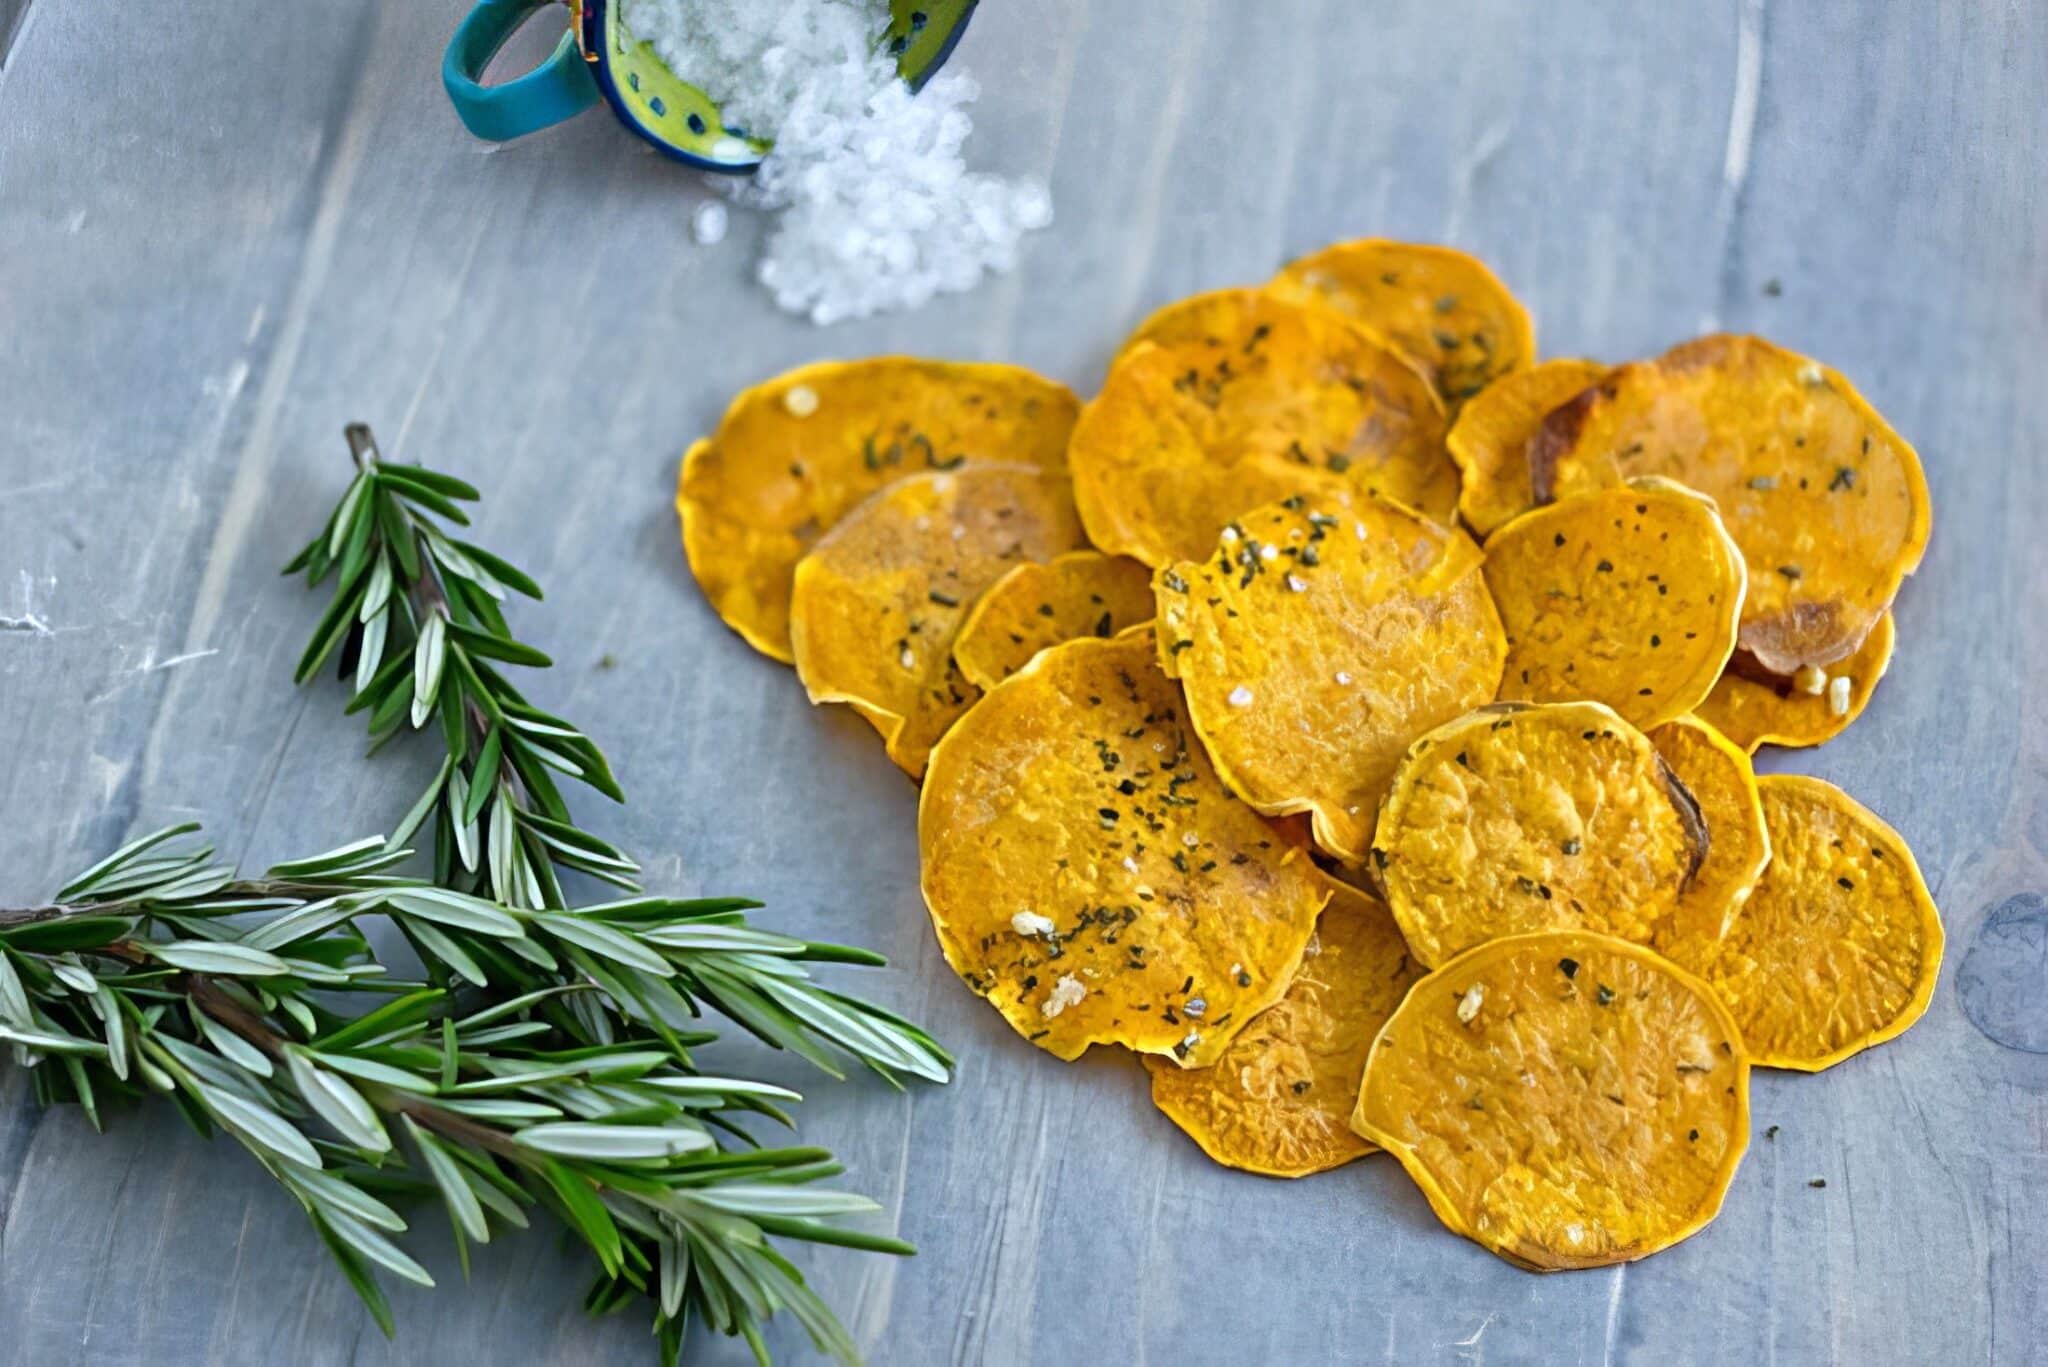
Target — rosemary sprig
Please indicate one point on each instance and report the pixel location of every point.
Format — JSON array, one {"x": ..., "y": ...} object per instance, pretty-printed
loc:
[
  {"x": 417, "y": 620},
  {"x": 160, "y": 970}
]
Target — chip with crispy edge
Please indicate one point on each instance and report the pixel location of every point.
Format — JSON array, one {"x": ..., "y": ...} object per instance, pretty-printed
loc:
[
  {"x": 1839, "y": 946},
  {"x": 1827, "y": 502},
  {"x": 1718, "y": 774},
  {"x": 1081, "y": 593},
  {"x": 1436, "y": 304},
  {"x": 1087, "y": 873},
  {"x": 878, "y": 600},
  {"x": 793, "y": 455},
  {"x": 1755, "y": 708},
  {"x": 1629, "y": 596},
  {"x": 1319, "y": 638},
  {"x": 1490, "y": 440},
  {"x": 1564, "y": 1099},
  {"x": 1184, "y": 437},
  {"x": 1534, "y": 816},
  {"x": 1279, "y": 1100}
]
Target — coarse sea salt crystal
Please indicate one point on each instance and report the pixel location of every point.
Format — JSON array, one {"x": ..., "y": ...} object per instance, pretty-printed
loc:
[
  {"x": 1030, "y": 923},
  {"x": 1068, "y": 991},
  {"x": 877, "y": 210},
  {"x": 709, "y": 223}
]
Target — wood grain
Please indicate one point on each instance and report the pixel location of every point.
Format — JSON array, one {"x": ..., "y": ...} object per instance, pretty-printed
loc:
[{"x": 226, "y": 236}]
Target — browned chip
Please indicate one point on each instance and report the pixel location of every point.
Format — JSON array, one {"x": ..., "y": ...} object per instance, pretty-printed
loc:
[
  {"x": 1490, "y": 439},
  {"x": 1718, "y": 774},
  {"x": 1827, "y": 502},
  {"x": 1754, "y": 708}
]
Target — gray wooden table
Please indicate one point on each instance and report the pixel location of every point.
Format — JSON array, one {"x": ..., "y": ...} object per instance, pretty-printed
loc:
[{"x": 226, "y": 231}]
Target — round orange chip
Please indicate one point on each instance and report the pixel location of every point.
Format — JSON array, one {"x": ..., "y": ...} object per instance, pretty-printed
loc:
[
  {"x": 1840, "y": 944},
  {"x": 878, "y": 600},
  {"x": 1436, "y": 304},
  {"x": 1564, "y": 1099},
  {"x": 1490, "y": 439},
  {"x": 1186, "y": 436},
  {"x": 1088, "y": 874},
  {"x": 1827, "y": 502},
  {"x": 1718, "y": 774},
  {"x": 1629, "y": 596},
  {"x": 1322, "y": 636},
  {"x": 1754, "y": 708},
  {"x": 1278, "y": 1099},
  {"x": 793, "y": 455},
  {"x": 1082, "y": 593},
  {"x": 1520, "y": 817}
]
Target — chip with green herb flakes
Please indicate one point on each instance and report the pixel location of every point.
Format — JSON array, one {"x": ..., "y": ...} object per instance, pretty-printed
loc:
[
  {"x": 1319, "y": 638},
  {"x": 879, "y": 599},
  {"x": 793, "y": 455},
  {"x": 1629, "y": 596},
  {"x": 1563, "y": 1098},
  {"x": 1081, "y": 593},
  {"x": 1279, "y": 1100},
  {"x": 1435, "y": 304},
  {"x": 1827, "y": 502},
  {"x": 1088, "y": 874},
  {"x": 1246, "y": 399},
  {"x": 1519, "y": 817}
]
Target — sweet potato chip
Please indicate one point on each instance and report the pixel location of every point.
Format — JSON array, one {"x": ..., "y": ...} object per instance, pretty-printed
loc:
[
  {"x": 1717, "y": 773},
  {"x": 1088, "y": 874},
  {"x": 1629, "y": 596},
  {"x": 1564, "y": 1099},
  {"x": 1839, "y": 946},
  {"x": 1438, "y": 305},
  {"x": 1185, "y": 437},
  {"x": 1520, "y": 817},
  {"x": 1278, "y": 1101},
  {"x": 1490, "y": 440},
  {"x": 1320, "y": 638},
  {"x": 1827, "y": 502},
  {"x": 878, "y": 600},
  {"x": 1754, "y": 708},
  {"x": 793, "y": 455},
  {"x": 1082, "y": 593}
]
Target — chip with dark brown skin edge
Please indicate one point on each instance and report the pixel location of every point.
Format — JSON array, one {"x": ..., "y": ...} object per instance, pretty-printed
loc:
[
  {"x": 1827, "y": 502},
  {"x": 1520, "y": 817}
]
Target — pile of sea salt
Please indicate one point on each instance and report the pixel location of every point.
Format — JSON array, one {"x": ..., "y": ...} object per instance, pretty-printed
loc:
[{"x": 876, "y": 209}]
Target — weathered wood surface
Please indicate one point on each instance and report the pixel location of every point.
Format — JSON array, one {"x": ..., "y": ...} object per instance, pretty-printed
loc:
[{"x": 224, "y": 234}]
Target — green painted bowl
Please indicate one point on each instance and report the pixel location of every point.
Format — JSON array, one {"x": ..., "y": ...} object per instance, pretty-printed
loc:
[{"x": 684, "y": 123}]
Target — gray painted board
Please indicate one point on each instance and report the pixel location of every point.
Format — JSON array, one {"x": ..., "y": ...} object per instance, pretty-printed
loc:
[{"x": 226, "y": 235}]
